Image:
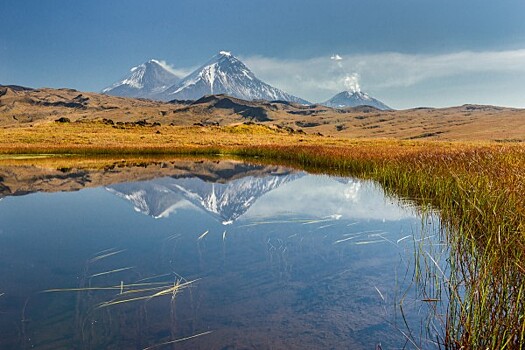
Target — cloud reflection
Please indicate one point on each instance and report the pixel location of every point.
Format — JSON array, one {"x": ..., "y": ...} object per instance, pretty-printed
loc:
[{"x": 324, "y": 196}]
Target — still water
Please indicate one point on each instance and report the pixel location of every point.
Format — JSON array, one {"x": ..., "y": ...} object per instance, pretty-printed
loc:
[{"x": 206, "y": 255}]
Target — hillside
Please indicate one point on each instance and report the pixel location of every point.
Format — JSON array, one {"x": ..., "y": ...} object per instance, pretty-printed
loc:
[{"x": 29, "y": 107}]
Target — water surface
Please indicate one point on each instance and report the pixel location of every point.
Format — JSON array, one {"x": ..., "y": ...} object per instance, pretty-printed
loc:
[{"x": 269, "y": 258}]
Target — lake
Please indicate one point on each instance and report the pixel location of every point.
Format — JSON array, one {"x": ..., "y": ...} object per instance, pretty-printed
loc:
[{"x": 209, "y": 255}]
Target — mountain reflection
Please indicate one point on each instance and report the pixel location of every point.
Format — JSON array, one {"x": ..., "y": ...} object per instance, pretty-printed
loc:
[
  {"x": 285, "y": 193},
  {"x": 227, "y": 201},
  {"x": 227, "y": 190}
]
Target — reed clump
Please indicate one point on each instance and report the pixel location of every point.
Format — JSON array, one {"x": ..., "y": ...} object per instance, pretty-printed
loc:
[{"x": 479, "y": 191}]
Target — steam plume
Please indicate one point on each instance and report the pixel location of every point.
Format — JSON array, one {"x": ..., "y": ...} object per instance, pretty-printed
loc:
[{"x": 350, "y": 81}]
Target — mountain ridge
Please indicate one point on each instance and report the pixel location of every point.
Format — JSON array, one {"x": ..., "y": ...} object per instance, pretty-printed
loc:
[{"x": 225, "y": 74}]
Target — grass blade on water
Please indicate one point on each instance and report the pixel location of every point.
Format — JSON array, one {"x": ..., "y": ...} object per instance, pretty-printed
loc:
[{"x": 177, "y": 340}]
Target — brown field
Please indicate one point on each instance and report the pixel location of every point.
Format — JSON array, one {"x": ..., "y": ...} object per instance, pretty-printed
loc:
[{"x": 20, "y": 107}]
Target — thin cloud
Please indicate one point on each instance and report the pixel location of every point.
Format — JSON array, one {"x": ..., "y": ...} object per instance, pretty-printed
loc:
[
  {"x": 317, "y": 79},
  {"x": 180, "y": 72}
]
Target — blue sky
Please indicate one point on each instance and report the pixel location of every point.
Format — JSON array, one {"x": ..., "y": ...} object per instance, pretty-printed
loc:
[{"x": 405, "y": 52}]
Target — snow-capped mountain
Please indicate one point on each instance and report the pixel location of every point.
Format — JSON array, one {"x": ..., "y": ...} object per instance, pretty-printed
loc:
[
  {"x": 225, "y": 74},
  {"x": 354, "y": 99},
  {"x": 225, "y": 201},
  {"x": 147, "y": 80}
]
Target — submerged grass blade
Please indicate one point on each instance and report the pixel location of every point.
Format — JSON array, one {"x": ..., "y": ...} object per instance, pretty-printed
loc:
[
  {"x": 203, "y": 235},
  {"x": 154, "y": 277},
  {"x": 55, "y": 290},
  {"x": 380, "y": 294},
  {"x": 256, "y": 223},
  {"x": 370, "y": 242},
  {"x": 102, "y": 252},
  {"x": 104, "y": 256},
  {"x": 171, "y": 290},
  {"x": 403, "y": 238},
  {"x": 165, "y": 291},
  {"x": 142, "y": 290},
  {"x": 116, "y": 302},
  {"x": 172, "y": 237},
  {"x": 360, "y": 233},
  {"x": 177, "y": 340},
  {"x": 124, "y": 286},
  {"x": 310, "y": 222},
  {"x": 345, "y": 239},
  {"x": 325, "y": 226},
  {"x": 111, "y": 271},
  {"x": 146, "y": 284}
]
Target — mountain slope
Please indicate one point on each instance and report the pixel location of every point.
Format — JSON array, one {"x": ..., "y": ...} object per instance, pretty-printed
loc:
[
  {"x": 146, "y": 80},
  {"x": 354, "y": 99},
  {"x": 225, "y": 74}
]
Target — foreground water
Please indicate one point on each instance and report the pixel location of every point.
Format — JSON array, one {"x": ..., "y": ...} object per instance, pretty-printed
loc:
[{"x": 207, "y": 255}]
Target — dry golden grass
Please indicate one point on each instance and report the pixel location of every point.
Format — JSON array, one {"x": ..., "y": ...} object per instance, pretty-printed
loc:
[{"x": 99, "y": 138}]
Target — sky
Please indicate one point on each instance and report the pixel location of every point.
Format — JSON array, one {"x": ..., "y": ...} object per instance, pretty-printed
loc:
[{"x": 407, "y": 53}]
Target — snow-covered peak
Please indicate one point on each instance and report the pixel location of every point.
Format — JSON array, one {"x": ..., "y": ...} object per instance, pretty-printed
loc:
[
  {"x": 145, "y": 80},
  {"x": 354, "y": 99},
  {"x": 222, "y": 74},
  {"x": 225, "y": 74},
  {"x": 357, "y": 95}
]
